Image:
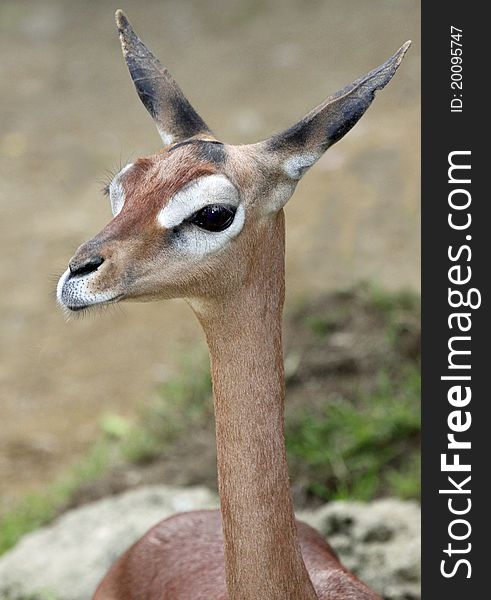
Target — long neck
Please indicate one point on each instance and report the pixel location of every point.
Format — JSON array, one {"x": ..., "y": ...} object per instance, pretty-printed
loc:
[{"x": 262, "y": 555}]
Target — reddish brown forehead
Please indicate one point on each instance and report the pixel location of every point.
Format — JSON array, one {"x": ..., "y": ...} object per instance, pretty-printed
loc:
[{"x": 152, "y": 181}]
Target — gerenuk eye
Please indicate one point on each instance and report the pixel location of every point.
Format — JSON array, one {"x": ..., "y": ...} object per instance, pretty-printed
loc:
[{"x": 214, "y": 217}]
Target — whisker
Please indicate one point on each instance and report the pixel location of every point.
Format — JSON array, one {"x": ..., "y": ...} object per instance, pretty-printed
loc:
[{"x": 107, "y": 178}]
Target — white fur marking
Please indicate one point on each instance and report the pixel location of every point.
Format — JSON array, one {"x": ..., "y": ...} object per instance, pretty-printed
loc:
[
  {"x": 116, "y": 191},
  {"x": 211, "y": 189},
  {"x": 191, "y": 239},
  {"x": 59, "y": 287},
  {"x": 296, "y": 165},
  {"x": 279, "y": 196},
  {"x": 73, "y": 292},
  {"x": 199, "y": 242},
  {"x": 166, "y": 137}
]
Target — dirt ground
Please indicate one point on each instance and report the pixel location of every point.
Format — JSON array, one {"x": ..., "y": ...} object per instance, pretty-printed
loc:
[{"x": 69, "y": 114}]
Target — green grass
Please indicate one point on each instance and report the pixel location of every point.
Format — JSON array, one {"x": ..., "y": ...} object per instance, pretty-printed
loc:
[
  {"x": 362, "y": 449},
  {"x": 359, "y": 448},
  {"x": 357, "y": 444},
  {"x": 36, "y": 509},
  {"x": 14, "y": 595},
  {"x": 319, "y": 325},
  {"x": 391, "y": 302},
  {"x": 183, "y": 404}
]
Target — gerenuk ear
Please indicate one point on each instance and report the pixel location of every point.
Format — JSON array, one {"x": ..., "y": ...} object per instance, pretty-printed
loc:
[
  {"x": 296, "y": 149},
  {"x": 174, "y": 116}
]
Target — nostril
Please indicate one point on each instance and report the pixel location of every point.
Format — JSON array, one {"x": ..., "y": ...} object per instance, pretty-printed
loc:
[{"x": 85, "y": 267}]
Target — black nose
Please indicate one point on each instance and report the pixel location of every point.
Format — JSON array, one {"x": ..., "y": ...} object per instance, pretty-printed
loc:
[{"x": 85, "y": 266}]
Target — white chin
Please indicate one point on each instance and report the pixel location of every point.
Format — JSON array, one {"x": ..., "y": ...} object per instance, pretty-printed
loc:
[
  {"x": 73, "y": 293},
  {"x": 59, "y": 287}
]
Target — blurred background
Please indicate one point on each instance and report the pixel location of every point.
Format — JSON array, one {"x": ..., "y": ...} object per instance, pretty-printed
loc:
[{"x": 70, "y": 116}]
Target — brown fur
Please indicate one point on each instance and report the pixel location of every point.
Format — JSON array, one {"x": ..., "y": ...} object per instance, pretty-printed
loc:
[
  {"x": 198, "y": 536},
  {"x": 149, "y": 185},
  {"x": 262, "y": 556}
]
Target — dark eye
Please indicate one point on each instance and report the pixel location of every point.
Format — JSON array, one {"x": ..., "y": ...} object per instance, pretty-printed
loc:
[{"x": 214, "y": 217}]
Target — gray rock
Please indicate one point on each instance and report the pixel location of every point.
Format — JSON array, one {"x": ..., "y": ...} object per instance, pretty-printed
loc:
[
  {"x": 379, "y": 541},
  {"x": 66, "y": 560}
]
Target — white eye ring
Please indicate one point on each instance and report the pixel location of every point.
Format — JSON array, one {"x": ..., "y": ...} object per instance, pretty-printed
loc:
[
  {"x": 116, "y": 195},
  {"x": 116, "y": 191},
  {"x": 195, "y": 241},
  {"x": 210, "y": 189}
]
